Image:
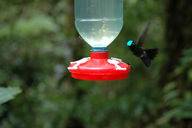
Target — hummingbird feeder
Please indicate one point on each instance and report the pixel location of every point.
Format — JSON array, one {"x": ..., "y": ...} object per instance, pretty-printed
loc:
[{"x": 99, "y": 22}]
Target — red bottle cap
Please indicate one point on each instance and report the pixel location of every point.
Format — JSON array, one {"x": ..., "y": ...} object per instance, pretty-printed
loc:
[{"x": 99, "y": 67}]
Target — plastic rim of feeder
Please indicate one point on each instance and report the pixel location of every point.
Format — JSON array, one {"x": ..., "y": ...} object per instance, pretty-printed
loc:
[{"x": 98, "y": 67}]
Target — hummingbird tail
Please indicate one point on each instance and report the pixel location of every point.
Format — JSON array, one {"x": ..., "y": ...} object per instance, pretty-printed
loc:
[
  {"x": 146, "y": 60},
  {"x": 152, "y": 53}
]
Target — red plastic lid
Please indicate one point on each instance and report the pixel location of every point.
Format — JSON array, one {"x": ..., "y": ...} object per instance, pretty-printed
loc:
[{"x": 99, "y": 67}]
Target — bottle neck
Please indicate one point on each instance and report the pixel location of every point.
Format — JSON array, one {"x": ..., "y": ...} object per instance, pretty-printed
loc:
[
  {"x": 99, "y": 49},
  {"x": 99, "y": 53}
]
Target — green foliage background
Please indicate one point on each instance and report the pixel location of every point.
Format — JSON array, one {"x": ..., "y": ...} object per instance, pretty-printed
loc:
[{"x": 37, "y": 42}]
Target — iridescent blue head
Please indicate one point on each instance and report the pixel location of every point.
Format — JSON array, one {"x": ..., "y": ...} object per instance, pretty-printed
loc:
[{"x": 129, "y": 43}]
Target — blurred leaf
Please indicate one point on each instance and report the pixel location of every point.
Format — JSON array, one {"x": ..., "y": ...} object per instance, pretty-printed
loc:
[
  {"x": 169, "y": 87},
  {"x": 7, "y": 94},
  {"x": 171, "y": 95},
  {"x": 35, "y": 25},
  {"x": 187, "y": 56}
]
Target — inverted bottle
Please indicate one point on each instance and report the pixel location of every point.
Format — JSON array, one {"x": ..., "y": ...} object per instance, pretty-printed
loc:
[{"x": 99, "y": 22}]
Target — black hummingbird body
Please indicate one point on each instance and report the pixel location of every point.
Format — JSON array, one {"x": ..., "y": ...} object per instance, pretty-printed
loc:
[
  {"x": 146, "y": 55},
  {"x": 136, "y": 50}
]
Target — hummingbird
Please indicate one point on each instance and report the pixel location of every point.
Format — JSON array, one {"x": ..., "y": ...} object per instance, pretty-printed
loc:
[{"x": 146, "y": 55}]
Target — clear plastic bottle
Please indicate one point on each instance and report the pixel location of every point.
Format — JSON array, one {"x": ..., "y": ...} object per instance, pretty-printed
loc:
[{"x": 99, "y": 22}]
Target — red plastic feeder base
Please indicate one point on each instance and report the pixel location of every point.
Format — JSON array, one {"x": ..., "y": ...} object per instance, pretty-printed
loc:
[{"x": 99, "y": 67}]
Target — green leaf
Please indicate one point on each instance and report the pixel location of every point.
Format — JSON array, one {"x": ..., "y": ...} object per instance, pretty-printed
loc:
[{"x": 7, "y": 94}]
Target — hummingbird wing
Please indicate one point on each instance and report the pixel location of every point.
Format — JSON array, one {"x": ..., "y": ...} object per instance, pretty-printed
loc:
[
  {"x": 143, "y": 35},
  {"x": 152, "y": 53}
]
